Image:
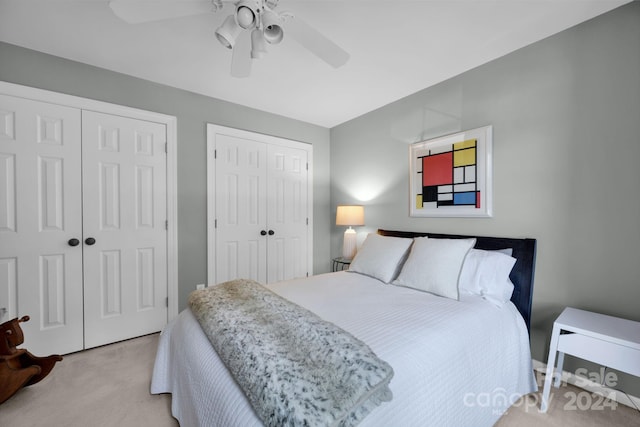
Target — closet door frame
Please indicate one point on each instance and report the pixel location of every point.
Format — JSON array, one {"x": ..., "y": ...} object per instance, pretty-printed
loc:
[
  {"x": 170, "y": 122},
  {"x": 212, "y": 131}
]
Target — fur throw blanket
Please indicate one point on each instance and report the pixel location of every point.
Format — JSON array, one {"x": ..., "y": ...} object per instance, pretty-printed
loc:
[{"x": 295, "y": 368}]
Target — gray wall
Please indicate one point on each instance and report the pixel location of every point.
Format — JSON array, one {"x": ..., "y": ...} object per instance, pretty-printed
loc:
[
  {"x": 30, "y": 68},
  {"x": 566, "y": 121}
]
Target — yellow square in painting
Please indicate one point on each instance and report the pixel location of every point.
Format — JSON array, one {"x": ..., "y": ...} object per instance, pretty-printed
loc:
[
  {"x": 469, "y": 143},
  {"x": 464, "y": 157},
  {"x": 419, "y": 201}
]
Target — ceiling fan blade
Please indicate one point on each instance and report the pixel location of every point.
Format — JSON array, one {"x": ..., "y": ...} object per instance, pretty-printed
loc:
[
  {"x": 241, "y": 58},
  {"x": 316, "y": 42},
  {"x": 139, "y": 11}
]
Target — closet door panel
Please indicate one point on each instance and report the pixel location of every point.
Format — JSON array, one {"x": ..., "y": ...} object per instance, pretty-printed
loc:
[
  {"x": 124, "y": 203},
  {"x": 40, "y": 214},
  {"x": 287, "y": 213},
  {"x": 259, "y": 193},
  {"x": 241, "y": 216}
]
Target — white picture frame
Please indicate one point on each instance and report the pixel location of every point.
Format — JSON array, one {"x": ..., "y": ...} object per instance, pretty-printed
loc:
[{"x": 452, "y": 175}]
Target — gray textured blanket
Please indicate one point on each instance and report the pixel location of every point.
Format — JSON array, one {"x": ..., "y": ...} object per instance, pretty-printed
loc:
[{"x": 295, "y": 368}]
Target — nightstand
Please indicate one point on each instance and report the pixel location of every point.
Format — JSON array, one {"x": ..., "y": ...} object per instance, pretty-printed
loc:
[
  {"x": 605, "y": 340},
  {"x": 340, "y": 264}
]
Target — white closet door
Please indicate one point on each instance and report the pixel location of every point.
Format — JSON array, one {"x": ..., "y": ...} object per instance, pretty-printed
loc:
[
  {"x": 259, "y": 202},
  {"x": 124, "y": 204},
  {"x": 241, "y": 214},
  {"x": 40, "y": 191},
  {"x": 287, "y": 213}
]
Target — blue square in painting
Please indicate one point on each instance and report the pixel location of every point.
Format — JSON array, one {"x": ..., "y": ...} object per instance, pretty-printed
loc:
[{"x": 467, "y": 198}]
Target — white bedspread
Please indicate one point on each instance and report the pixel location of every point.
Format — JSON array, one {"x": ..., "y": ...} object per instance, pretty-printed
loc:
[{"x": 456, "y": 363}]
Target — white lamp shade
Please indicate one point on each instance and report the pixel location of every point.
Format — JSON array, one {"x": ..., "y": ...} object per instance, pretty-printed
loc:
[
  {"x": 272, "y": 29},
  {"x": 350, "y": 215},
  {"x": 228, "y": 32},
  {"x": 246, "y": 14}
]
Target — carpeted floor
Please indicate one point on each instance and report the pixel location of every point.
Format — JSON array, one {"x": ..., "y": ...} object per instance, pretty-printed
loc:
[
  {"x": 104, "y": 386},
  {"x": 109, "y": 386},
  {"x": 569, "y": 406}
]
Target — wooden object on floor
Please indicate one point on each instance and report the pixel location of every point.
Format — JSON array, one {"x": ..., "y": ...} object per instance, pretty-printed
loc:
[{"x": 18, "y": 367}]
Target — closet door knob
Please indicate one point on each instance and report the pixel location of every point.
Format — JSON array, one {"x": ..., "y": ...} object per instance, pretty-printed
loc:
[
  {"x": 271, "y": 232},
  {"x": 73, "y": 242},
  {"x": 90, "y": 241},
  {"x": 263, "y": 233}
]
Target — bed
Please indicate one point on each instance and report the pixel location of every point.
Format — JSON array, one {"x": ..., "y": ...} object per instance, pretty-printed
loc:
[{"x": 456, "y": 362}]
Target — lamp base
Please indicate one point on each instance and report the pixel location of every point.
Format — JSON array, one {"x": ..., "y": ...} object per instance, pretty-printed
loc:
[{"x": 349, "y": 244}]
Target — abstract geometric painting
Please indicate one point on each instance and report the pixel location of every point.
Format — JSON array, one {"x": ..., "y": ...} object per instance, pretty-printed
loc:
[{"x": 451, "y": 175}]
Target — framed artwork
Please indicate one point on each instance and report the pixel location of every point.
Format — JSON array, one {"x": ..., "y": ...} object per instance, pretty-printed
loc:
[{"x": 451, "y": 176}]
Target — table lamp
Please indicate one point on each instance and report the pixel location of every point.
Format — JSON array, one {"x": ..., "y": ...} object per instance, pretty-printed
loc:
[{"x": 349, "y": 216}]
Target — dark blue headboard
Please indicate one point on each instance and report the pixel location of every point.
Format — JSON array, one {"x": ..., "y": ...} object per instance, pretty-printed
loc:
[{"x": 524, "y": 251}]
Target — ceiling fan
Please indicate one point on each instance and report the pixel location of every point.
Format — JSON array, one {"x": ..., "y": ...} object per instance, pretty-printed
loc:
[{"x": 252, "y": 25}]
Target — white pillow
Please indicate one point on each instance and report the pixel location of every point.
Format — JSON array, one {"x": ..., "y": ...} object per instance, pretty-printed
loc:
[
  {"x": 380, "y": 256},
  {"x": 486, "y": 273},
  {"x": 499, "y": 295},
  {"x": 434, "y": 265}
]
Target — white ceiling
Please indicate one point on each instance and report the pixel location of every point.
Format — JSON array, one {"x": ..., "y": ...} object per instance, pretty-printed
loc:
[{"x": 397, "y": 47}]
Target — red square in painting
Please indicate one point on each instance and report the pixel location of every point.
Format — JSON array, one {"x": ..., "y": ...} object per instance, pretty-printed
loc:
[{"x": 437, "y": 169}]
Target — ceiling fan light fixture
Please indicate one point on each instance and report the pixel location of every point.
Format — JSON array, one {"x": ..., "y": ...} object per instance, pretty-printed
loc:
[
  {"x": 258, "y": 44},
  {"x": 272, "y": 29},
  {"x": 247, "y": 13},
  {"x": 228, "y": 32}
]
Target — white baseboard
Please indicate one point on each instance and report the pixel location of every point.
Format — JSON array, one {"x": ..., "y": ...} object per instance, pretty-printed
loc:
[{"x": 592, "y": 386}]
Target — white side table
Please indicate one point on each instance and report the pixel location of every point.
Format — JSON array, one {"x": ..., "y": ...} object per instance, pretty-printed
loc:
[{"x": 605, "y": 340}]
